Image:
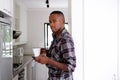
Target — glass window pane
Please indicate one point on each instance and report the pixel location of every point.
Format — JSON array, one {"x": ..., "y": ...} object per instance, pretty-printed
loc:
[{"x": 48, "y": 34}]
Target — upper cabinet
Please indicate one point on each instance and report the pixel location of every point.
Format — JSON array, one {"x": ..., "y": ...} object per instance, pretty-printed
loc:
[
  {"x": 1, "y": 4},
  {"x": 6, "y": 6},
  {"x": 20, "y": 22}
]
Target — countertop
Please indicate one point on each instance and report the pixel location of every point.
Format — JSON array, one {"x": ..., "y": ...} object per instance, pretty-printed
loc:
[{"x": 21, "y": 59}]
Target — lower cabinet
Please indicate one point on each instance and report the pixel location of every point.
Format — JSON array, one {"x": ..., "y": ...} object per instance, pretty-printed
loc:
[
  {"x": 16, "y": 77},
  {"x": 29, "y": 73},
  {"x": 41, "y": 72},
  {"x": 25, "y": 73}
]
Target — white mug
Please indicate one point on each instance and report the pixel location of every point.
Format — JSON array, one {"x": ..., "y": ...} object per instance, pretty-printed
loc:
[{"x": 36, "y": 51}]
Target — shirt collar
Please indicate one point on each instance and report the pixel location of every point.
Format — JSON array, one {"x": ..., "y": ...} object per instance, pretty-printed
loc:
[{"x": 60, "y": 36}]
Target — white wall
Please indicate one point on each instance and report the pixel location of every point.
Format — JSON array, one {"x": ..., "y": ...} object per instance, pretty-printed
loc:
[
  {"x": 119, "y": 40},
  {"x": 100, "y": 39},
  {"x": 77, "y": 33},
  {"x": 96, "y": 23}
]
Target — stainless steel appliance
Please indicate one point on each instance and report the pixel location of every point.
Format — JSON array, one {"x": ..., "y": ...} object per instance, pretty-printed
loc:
[{"x": 6, "y": 72}]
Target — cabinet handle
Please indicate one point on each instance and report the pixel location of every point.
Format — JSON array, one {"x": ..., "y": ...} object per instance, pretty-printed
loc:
[
  {"x": 5, "y": 10},
  {"x": 9, "y": 12}
]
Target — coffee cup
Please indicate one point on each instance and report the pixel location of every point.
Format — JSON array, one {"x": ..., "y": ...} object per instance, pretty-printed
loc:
[
  {"x": 38, "y": 51},
  {"x": 43, "y": 51}
]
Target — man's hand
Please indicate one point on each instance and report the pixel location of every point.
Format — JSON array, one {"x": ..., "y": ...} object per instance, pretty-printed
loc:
[{"x": 42, "y": 59}]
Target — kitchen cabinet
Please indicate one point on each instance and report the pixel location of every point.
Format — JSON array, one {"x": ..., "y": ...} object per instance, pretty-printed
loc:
[
  {"x": 30, "y": 71},
  {"x": 22, "y": 75},
  {"x": 6, "y": 6},
  {"x": 20, "y": 22},
  {"x": 25, "y": 73},
  {"x": 41, "y": 68},
  {"x": 16, "y": 77},
  {"x": 24, "y": 70},
  {"x": 1, "y": 4}
]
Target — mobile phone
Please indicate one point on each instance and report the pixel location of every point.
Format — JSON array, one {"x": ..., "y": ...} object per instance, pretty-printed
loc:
[{"x": 33, "y": 57}]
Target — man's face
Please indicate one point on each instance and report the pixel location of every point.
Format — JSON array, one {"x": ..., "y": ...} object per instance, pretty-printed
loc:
[{"x": 56, "y": 22}]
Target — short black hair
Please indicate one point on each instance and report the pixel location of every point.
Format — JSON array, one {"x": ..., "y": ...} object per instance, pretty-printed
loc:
[{"x": 57, "y": 12}]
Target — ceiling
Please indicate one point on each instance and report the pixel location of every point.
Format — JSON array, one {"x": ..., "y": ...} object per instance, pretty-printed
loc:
[{"x": 42, "y": 3}]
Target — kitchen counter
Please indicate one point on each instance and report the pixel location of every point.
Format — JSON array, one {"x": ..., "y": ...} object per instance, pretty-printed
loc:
[{"x": 24, "y": 60}]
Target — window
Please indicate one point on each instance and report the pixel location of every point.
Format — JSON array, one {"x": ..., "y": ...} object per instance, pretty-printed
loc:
[{"x": 48, "y": 34}]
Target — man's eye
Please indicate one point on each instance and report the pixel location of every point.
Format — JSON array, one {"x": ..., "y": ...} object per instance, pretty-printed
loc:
[{"x": 52, "y": 21}]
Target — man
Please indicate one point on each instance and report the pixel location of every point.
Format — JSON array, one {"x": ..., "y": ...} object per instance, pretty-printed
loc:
[{"x": 60, "y": 58}]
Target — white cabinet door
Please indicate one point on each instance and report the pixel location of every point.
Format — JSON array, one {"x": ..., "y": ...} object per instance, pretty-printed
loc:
[
  {"x": 25, "y": 73},
  {"x": 10, "y": 8},
  {"x": 29, "y": 71},
  {"x": 23, "y": 23},
  {"x": 15, "y": 78},
  {"x": 41, "y": 69},
  {"x": 1, "y": 4},
  {"x": 7, "y": 7},
  {"x": 100, "y": 39}
]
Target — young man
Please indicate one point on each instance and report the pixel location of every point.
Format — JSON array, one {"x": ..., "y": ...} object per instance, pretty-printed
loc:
[{"x": 60, "y": 58}]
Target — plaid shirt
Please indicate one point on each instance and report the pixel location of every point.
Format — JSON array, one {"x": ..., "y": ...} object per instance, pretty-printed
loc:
[{"x": 62, "y": 50}]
